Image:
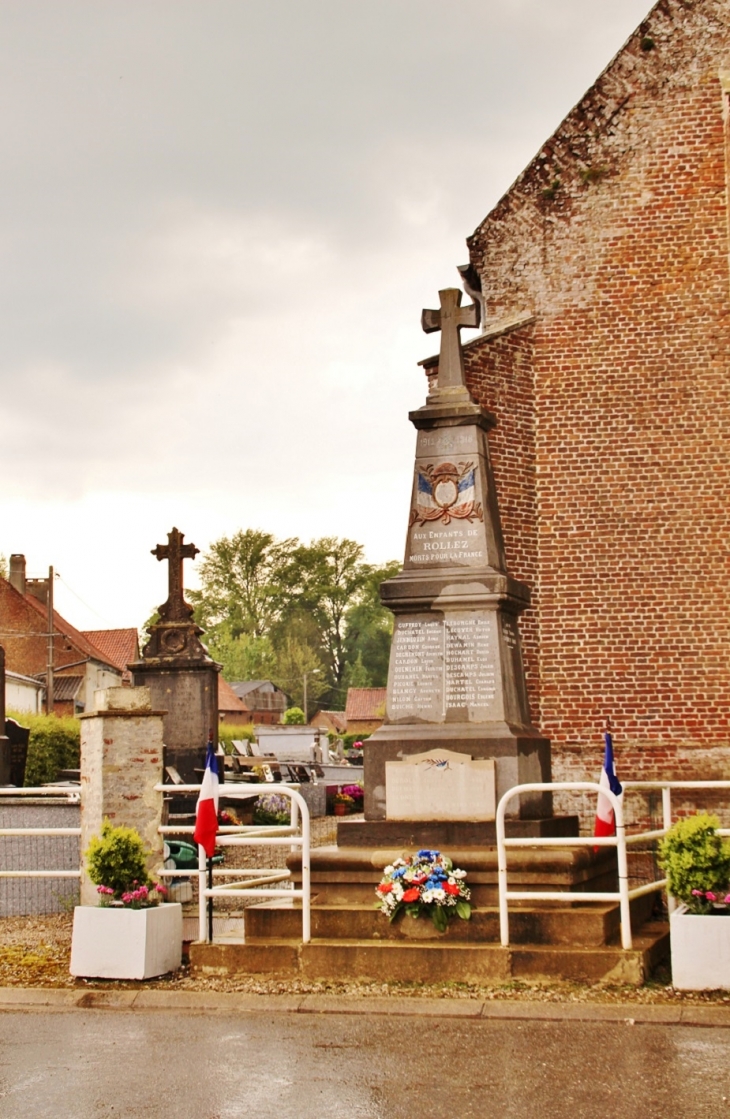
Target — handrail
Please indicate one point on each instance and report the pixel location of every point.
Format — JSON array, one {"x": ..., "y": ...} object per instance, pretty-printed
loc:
[
  {"x": 257, "y": 836},
  {"x": 617, "y": 841},
  {"x": 620, "y": 841},
  {"x": 71, "y": 792}
]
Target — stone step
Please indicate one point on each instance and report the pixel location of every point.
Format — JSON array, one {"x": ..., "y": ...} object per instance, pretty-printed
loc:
[
  {"x": 349, "y": 875},
  {"x": 429, "y": 962},
  {"x": 587, "y": 924}
]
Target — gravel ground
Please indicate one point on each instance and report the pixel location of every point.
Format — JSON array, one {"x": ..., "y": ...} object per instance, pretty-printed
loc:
[{"x": 35, "y": 952}]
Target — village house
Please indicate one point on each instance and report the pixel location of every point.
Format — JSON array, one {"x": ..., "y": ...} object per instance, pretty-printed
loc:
[
  {"x": 231, "y": 709},
  {"x": 119, "y": 646},
  {"x": 265, "y": 701},
  {"x": 364, "y": 709},
  {"x": 334, "y": 722},
  {"x": 79, "y": 666}
]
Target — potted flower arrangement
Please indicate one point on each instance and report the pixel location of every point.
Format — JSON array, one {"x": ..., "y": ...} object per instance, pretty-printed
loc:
[
  {"x": 696, "y": 861},
  {"x": 356, "y": 793},
  {"x": 343, "y": 803},
  {"x": 131, "y": 934},
  {"x": 426, "y": 884}
]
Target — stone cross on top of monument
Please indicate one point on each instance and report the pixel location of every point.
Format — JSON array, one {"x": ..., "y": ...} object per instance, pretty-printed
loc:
[
  {"x": 176, "y": 609},
  {"x": 450, "y": 319}
]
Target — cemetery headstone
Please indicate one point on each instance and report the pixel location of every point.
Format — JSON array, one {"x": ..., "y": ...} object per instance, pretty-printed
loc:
[{"x": 175, "y": 666}]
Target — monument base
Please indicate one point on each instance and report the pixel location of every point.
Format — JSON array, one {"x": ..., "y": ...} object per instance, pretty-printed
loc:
[
  {"x": 446, "y": 834},
  {"x": 521, "y": 756}
]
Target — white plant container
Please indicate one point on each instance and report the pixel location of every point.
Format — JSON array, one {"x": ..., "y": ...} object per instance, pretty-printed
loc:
[
  {"x": 114, "y": 943},
  {"x": 700, "y": 950}
]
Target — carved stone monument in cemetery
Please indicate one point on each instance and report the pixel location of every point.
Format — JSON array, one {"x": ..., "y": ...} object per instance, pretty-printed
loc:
[
  {"x": 456, "y": 695},
  {"x": 457, "y": 735},
  {"x": 175, "y": 666}
]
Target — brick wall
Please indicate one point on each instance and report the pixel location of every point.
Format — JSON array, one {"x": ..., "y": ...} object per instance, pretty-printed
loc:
[{"x": 612, "y": 457}]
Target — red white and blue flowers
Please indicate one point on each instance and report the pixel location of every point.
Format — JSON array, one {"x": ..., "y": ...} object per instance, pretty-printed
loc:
[{"x": 426, "y": 883}]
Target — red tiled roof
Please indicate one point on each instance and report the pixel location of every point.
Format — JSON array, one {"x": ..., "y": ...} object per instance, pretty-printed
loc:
[
  {"x": 228, "y": 700},
  {"x": 119, "y": 646},
  {"x": 60, "y": 625},
  {"x": 365, "y": 703},
  {"x": 333, "y": 720}
]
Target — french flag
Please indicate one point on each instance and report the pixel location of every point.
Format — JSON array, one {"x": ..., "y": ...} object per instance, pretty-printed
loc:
[
  {"x": 206, "y": 812},
  {"x": 605, "y": 817}
]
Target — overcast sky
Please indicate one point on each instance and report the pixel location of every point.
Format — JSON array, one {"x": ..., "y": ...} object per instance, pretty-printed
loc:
[{"x": 219, "y": 222}]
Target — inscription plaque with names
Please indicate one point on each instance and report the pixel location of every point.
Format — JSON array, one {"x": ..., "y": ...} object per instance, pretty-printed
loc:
[{"x": 444, "y": 664}]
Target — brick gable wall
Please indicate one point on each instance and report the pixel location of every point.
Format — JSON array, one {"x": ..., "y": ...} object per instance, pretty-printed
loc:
[{"x": 612, "y": 454}]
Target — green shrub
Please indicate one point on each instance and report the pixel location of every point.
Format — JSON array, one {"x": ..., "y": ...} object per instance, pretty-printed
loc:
[
  {"x": 117, "y": 860},
  {"x": 694, "y": 857},
  {"x": 228, "y": 733},
  {"x": 294, "y": 717},
  {"x": 54, "y": 744}
]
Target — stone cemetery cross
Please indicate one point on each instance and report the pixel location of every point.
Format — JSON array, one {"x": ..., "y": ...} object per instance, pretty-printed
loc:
[
  {"x": 176, "y": 609},
  {"x": 449, "y": 320}
]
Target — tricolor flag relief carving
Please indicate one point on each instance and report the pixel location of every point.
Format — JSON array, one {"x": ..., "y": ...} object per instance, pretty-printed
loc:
[{"x": 446, "y": 492}]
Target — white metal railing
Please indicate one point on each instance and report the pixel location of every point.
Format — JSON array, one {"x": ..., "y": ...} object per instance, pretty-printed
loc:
[
  {"x": 620, "y": 841},
  {"x": 252, "y": 883},
  {"x": 71, "y": 795}
]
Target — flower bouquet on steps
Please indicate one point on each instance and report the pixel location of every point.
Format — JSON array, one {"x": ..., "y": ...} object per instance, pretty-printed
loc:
[{"x": 425, "y": 884}]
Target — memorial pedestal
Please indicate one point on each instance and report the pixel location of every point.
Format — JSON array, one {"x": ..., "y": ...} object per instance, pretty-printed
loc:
[{"x": 456, "y": 679}]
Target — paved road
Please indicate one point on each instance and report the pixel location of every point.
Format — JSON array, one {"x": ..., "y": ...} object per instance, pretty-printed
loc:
[{"x": 80, "y": 1064}]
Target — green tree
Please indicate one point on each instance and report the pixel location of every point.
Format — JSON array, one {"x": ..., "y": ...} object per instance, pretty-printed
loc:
[
  {"x": 243, "y": 657},
  {"x": 242, "y": 583},
  {"x": 368, "y": 632},
  {"x": 294, "y": 717},
  {"x": 328, "y": 577},
  {"x": 293, "y": 659}
]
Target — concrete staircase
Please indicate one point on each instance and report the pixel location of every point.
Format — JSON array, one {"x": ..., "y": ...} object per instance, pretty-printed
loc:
[{"x": 351, "y": 939}]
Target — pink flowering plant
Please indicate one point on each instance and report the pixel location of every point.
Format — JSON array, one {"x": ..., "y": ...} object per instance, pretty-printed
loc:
[
  {"x": 116, "y": 863},
  {"x": 425, "y": 884}
]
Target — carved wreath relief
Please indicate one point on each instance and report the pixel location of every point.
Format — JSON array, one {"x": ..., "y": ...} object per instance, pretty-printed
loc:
[{"x": 446, "y": 492}]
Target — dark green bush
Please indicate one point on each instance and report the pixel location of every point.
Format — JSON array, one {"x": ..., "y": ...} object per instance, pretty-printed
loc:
[{"x": 54, "y": 744}]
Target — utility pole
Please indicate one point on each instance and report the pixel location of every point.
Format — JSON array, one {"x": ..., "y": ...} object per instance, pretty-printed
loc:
[
  {"x": 49, "y": 666},
  {"x": 310, "y": 672}
]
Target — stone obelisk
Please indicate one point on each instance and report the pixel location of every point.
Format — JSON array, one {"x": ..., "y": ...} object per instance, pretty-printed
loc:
[{"x": 456, "y": 680}]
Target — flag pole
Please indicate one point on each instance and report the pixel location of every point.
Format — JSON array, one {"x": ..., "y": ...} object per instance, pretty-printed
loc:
[{"x": 210, "y": 900}]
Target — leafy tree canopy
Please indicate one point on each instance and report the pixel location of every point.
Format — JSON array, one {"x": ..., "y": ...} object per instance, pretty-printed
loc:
[{"x": 277, "y": 609}]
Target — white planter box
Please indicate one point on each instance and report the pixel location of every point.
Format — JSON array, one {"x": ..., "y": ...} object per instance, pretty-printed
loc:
[
  {"x": 700, "y": 951},
  {"x": 126, "y": 943}
]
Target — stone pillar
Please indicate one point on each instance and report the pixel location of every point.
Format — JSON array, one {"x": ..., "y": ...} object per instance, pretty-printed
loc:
[{"x": 121, "y": 762}]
